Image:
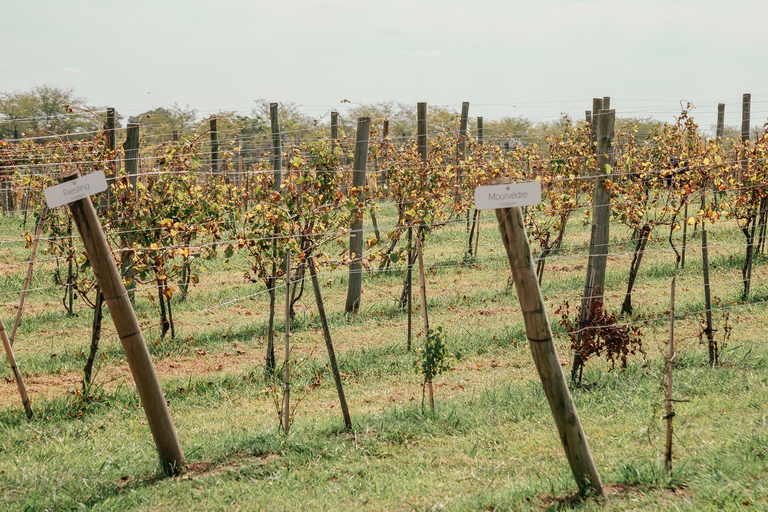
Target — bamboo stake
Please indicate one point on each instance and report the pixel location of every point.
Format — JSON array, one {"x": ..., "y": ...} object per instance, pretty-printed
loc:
[
  {"x": 15, "y": 370},
  {"x": 668, "y": 386},
  {"x": 287, "y": 392},
  {"x": 539, "y": 332},
  {"x": 329, "y": 343},
  {"x": 27, "y": 279}
]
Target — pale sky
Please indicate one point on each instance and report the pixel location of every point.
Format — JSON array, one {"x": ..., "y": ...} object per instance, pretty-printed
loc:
[{"x": 507, "y": 58}]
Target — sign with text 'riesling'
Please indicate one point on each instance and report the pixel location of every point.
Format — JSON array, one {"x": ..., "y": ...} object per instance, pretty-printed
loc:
[
  {"x": 71, "y": 191},
  {"x": 507, "y": 195}
]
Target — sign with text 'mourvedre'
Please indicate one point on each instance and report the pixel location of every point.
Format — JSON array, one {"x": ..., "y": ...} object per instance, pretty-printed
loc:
[
  {"x": 71, "y": 191},
  {"x": 507, "y": 195}
]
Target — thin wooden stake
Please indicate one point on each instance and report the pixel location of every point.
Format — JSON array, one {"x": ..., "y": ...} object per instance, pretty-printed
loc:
[
  {"x": 668, "y": 386},
  {"x": 710, "y": 331},
  {"x": 329, "y": 343},
  {"x": 539, "y": 332},
  {"x": 28, "y": 278},
  {"x": 409, "y": 284},
  {"x": 15, "y": 370},
  {"x": 425, "y": 313},
  {"x": 287, "y": 391}
]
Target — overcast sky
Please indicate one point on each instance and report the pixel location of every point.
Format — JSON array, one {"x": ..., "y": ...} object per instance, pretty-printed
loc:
[{"x": 506, "y": 57}]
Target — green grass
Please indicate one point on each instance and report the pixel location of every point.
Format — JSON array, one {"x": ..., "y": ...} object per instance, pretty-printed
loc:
[{"x": 491, "y": 444}]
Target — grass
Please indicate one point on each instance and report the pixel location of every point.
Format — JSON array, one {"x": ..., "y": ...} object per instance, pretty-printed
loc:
[{"x": 491, "y": 444}]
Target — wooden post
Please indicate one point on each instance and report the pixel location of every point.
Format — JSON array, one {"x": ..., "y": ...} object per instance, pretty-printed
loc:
[
  {"x": 746, "y": 103},
  {"x": 30, "y": 265},
  {"x": 720, "y": 120},
  {"x": 277, "y": 146},
  {"x": 355, "y": 288},
  {"x": 334, "y": 130},
  {"x": 111, "y": 146},
  {"x": 175, "y": 135},
  {"x": 15, "y": 370},
  {"x": 512, "y": 226},
  {"x": 606, "y": 103},
  {"x": 594, "y": 283},
  {"x": 131, "y": 147},
  {"x": 214, "y": 146},
  {"x": 480, "y": 134},
  {"x": 329, "y": 343},
  {"x": 601, "y": 212},
  {"x": 463, "y": 129},
  {"x": 385, "y": 147},
  {"x": 287, "y": 389},
  {"x": 111, "y": 139},
  {"x": 128, "y": 330},
  {"x": 597, "y": 105},
  {"x": 421, "y": 124},
  {"x": 668, "y": 380}
]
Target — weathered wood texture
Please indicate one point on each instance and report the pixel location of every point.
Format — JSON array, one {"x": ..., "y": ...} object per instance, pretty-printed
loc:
[
  {"x": 129, "y": 331},
  {"x": 542, "y": 345}
]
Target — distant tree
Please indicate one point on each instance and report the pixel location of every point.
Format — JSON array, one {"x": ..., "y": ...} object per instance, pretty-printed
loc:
[
  {"x": 158, "y": 124},
  {"x": 295, "y": 126},
  {"x": 45, "y": 109},
  {"x": 401, "y": 116},
  {"x": 507, "y": 130},
  {"x": 643, "y": 128},
  {"x": 249, "y": 132}
]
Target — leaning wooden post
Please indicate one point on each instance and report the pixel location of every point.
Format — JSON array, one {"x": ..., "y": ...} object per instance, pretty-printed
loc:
[
  {"x": 329, "y": 343},
  {"x": 214, "y": 145},
  {"x": 30, "y": 266},
  {"x": 15, "y": 370},
  {"x": 539, "y": 333},
  {"x": 277, "y": 146},
  {"x": 131, "y": 147},
  {"x": 129, "y": 331},
  {"x": 355, "y": 288}
]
